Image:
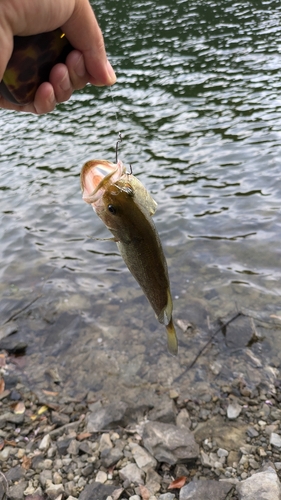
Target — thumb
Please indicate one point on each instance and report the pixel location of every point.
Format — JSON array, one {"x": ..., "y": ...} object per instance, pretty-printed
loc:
[
  {"x": 84, "y": 33},
  {"x": 6, "y": 44}
]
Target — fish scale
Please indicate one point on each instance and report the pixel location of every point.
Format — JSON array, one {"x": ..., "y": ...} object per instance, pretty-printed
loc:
[{"x": 125, "y": 206}]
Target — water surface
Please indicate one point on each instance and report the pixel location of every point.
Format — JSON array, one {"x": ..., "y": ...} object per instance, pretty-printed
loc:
[{"x": 198, "y": 104}]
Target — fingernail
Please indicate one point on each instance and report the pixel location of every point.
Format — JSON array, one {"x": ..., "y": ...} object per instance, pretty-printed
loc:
[
  {"x": 65, "y": 83},
  {"x": 52, "y": 100},
  {"x": 80, "y": 67},
  {"x": 111, "y": 73}
]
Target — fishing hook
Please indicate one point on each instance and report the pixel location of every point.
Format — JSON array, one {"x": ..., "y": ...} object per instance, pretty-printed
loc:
[{"x": 117, "y": 146}]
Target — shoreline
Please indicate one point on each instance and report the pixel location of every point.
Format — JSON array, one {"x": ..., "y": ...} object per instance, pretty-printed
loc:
[{"x": 54, "y": 448}]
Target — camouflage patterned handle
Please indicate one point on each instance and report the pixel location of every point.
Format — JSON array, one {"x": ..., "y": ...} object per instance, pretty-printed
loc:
[{"x": 31, "y": 62}]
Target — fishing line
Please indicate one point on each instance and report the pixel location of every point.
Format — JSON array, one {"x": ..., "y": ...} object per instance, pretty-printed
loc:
[
  {"x": 120, "y": 138},
  {"x": 114, "y": 107}
]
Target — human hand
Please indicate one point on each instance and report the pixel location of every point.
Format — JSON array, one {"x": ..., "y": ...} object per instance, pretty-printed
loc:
[{"x": 87, "y": 63}]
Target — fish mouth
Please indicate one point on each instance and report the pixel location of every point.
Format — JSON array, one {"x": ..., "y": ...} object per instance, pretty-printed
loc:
[{"x": 96, "y": 176}]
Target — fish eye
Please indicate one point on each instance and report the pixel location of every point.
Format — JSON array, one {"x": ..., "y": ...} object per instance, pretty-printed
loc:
[{"x": 112, "y": 209}]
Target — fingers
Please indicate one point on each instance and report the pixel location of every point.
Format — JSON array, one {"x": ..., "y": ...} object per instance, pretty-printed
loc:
[
  {"x": 63, "y": 80},
  {"x": 90, "y": 42},
  {"x": 78, "y": 74},
  {"x": 88, "y": 63},
  {"x": 44, "y": 101},
  {"x": 6, "y": 40}
]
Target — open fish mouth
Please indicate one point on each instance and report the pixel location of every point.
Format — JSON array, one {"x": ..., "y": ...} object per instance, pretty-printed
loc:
[{"x": 96, "y": 175}]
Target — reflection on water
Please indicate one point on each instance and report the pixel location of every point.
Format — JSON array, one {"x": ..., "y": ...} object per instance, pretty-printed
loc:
[{"x": 198, "y": 104}]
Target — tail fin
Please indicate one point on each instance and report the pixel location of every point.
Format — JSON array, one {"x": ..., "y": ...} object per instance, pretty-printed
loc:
[{"x": 172, "y": 338}]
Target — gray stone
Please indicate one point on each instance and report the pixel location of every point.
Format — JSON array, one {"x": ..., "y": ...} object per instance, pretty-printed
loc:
[
  {"x": 38, "y": 462},
  {"x": 15, "y": 473},
  {"x": 263, "y": 485},
  {"x": 73, "y": 447},
  {"x": 275, "y": 440},
  {"x": 167, "y": 496},
  {"x": 153, "y": 481},
  {"x": 85, "y": 448},
  {"x": 143, "y": 459},
  {"x": 206, "y": 460},
  {"x": 222, "y": 453},
  {"x": 60, "y": 418},
  {"x": 253, "y": 463},
  {"x": 111, "y": 457},
  {"x": 164, "y": 412},
  {"x": 183, "y": 419},
  {"x": 252, "y": 432},
  {"x": 13, "y": 418},
  {"x": 101, "y": 477},
  {"x": 132, "y": 473},
  {"x": 62, "y": 445},
  {"x": 97, "y": 491},
  {"x": 5, "y": 453},
  {"x": 205, "y": 490},
  {"x": 116, "y": 494},
  {"x": 8, "y": 329},
  {"x": 70, "y": 488},
  {"x": 233, "y": 411},
  {"x": 54, "y": 490},
  {"x": 45, "y": 443},
  {"x": 3, "y": 487},
  {"x": 16, "y": 492},
  {"x": 239, "y": 332},
  {"x": 107, "y": 417},
  {"x": 168, "y": 443},
  {"x": 88, "y": 470},
  {"x": 45, "y": 475},
  {"x": 105, "y": 442},
  {"x": 57, "y": 478}
]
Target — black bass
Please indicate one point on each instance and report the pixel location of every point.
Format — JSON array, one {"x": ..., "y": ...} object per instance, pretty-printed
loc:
[{"x": 126, "y": 207}]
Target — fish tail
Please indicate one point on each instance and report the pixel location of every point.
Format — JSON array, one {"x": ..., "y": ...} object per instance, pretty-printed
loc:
[{"x": 172, "y": 338}]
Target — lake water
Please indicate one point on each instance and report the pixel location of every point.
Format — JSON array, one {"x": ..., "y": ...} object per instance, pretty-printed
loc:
[{"x": 198, "y": 102}]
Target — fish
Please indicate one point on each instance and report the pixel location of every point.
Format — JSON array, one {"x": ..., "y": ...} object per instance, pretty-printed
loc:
[{"x": 126, "y": 208}]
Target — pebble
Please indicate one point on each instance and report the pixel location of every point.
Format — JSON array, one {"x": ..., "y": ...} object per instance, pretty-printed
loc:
[
  {"x": 143, "y": 458},
  {"x": 45, "y": 443},
  {"x": 132, "y": 473},
  {"x": 73, "y": 461},
  {"x": 101, "y": 477},
  {"x": 169, "y": 443},
  {"x": 275, "y": 440},
  {"x": 233, "y": 410}
]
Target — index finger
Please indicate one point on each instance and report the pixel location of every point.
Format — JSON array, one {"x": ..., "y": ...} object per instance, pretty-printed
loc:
[{"x": 84, "y": 33}]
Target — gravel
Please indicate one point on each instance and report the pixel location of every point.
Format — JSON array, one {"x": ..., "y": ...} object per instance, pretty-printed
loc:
[{"x": 223, "y": 446}]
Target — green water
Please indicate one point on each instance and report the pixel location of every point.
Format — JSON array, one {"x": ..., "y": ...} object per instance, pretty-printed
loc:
[{"x": 198, "y": 104}]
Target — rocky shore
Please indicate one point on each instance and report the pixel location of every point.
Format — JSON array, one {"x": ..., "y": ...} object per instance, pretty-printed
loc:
[{"x": 58, "y": 448}]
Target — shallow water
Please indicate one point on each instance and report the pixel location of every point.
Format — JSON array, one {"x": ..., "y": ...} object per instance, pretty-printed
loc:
[{"x": 198, "y": 104}]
